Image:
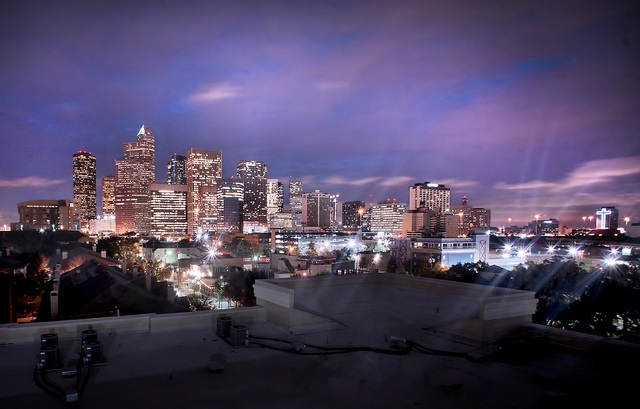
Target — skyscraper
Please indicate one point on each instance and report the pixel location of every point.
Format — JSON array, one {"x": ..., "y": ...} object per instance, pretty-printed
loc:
[
  {"x": 432, "y": 196},
  {"x": 386, "y": 217},
  {"x": 108, "y": 196},
  {"x": 176, "y": 170},
  {"x": 253, "y": 175},
  {"x": 84, "y": 188},
  {"x": 134, "y": 173},
  {"x": 275, "y": 197},
  {"x": 295, "y": 202},
  {"x": 204, "y": 205},
  {"x": 168, "y": 209},
  {"x": 232, "y": 199},
  {"x": 352, "y": 213},
  {"x": 316, "y": 209}
]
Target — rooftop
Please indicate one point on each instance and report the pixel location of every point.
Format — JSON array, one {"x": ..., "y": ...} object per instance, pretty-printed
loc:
[{"x": 374, "y": 341}]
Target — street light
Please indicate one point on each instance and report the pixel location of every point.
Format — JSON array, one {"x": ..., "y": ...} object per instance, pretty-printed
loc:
[{"x": 537, "y": 216}]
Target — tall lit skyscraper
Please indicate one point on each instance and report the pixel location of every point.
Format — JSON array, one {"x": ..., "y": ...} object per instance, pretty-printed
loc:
[
  {"x": 108, "y": 196},
  {"x": 134, "y": 173},
  {"x": 176, "y": 170},
  {"x": 168, "y": 209},
  {"x": 84, "y": 188},
  {"x": 275, "y": 197},
  {"x": 295, "y": 202},
  {"x": 253, "y": 175},
  {"x": 204, "y": 176}
]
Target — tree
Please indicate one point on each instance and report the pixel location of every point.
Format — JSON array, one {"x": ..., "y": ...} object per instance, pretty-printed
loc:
[
  {"x": 200, "y": 302},
  {"x": 311, "y": 250}
]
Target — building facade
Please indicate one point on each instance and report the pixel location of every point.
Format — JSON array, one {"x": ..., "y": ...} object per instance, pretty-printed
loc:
[
  {"x": 84, "y": 189},
  {"x": 386, "y": 218},
  {"x": 253, "y": 175},
  {"x": 352, "y": 213},
  {"x": 232, "y": 200},
  {"x": 204, "y": 177},
  {"x": 316, "y": 210},
  {"x": 177, "y": 170},
  {"x": 295, "y": 202},
  {"x": 275, "y": 198},
  {"x": 134, "y": 173},
  {"x": 45, "y": 215},
  {"x": 433, "y": 196},
  {"x": 108, "y": 196},
  {"x": 168, "y": 210}
]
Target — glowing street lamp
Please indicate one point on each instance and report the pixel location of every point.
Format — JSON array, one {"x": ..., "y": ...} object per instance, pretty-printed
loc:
[
  {"x": 590, "y": 219},
  {"x": 627, "y": 220}
]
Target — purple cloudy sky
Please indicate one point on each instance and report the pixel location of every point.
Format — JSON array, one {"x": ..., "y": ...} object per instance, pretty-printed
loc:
[{"x": 526, "y": 107}]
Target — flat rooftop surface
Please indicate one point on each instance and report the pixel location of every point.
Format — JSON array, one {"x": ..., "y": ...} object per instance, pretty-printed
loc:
[{"x": 195, "y": 368}]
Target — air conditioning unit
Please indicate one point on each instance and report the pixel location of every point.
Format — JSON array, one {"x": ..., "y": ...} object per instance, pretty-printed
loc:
[
  {"x": 48, "y": 359},
  {"x": 239, "y": 336},
  {"x": 223, "y": 328},
  {"x": 93, "y": 353}
]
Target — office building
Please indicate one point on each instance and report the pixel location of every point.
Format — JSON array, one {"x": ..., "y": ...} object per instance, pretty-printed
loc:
[
  {"x": 44, "y": 215},
  {"x": 134, "y": 173},
  {"x": 607, "y": 218},
  {"x": 176, "y": 170},
  {"x": 108, "y": 196},
  {"x": 352, "y": 213},
  {"x": 168, "y": 204},
  {"x": 232, "y": 202},
  {"x": 386, "y": 218},
  {"x": 316, "y": 210},
  {"x": 253, "y": 175},
  {"x": 295, "y": 202},
  {"x": 419, "y": 222},
  {"x": 275, "y": 198},
  {"x": 204, "y": 177},
  {"x": 84, "y": 189}
]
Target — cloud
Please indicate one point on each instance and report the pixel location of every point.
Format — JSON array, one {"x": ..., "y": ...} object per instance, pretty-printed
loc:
[
  {"x": 589, "y": 173},
  {"x": 339, "y": 180},
  {"x": 330, "y": 85},
  {"x": 397, "y": 181},
  {"x": 30, "y": 181},
  {"x": 215, "y": 92}
]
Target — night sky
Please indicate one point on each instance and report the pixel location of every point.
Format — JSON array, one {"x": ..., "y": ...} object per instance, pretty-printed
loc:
[{"x": 525, "y": 107}]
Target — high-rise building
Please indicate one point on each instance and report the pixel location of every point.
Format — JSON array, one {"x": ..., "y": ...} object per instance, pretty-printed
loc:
[
  {"x": 352, "y": 213},
  {"x": 275, "y": 198},
  {"x": 204, "y": 176},
  {"x": 386, "y": 217},
  {"x": 465, "y": 218},
  {"x": 134, "y": 173},
  {"x": 316, "y": 210},
  {"x": 176, "y": 170},
  {"x": 295, "y": 203},
  {"x": 168, "y": 203},
  {"x": 253, "y": 175},
  {"x": 108, "y": 196},
  {"x": 432, "y": 196},
  {"x": 84, "y": 188},
  {"x": 233, "y": 200}
]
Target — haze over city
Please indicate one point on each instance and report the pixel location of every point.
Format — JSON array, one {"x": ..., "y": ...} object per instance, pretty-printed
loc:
[{"x": 524, "y": 107}]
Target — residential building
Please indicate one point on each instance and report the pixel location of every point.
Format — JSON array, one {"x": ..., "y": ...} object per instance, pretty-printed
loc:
[
  {"x": 253, "y": 175},
  {"x": 134, "y": 173},
  {"x": 204, "y": 175},
  {"x": 84, "y": 189}
]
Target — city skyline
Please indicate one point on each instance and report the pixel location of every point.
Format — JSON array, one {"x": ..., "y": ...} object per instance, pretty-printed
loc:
[{"x": 524, "y": 108}]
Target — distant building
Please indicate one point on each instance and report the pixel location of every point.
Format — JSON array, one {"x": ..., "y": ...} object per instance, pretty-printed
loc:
[
  {"x": 168, "y": 210},
  {"x": 352, "y": 213},
  {"x": 204, "y": 178},
  {"x": 295, "y": 202},
  {"x": 316, "y": 210},
  {"x": 275, "y": 198},
  {"x": 134, "y": 173},
  {"x": 386, "y": 217},
  {"x": 176, "y": 170},
  {"x": 433, "y": 196},
  {"x": 418, "y": 222},
  {"x": 441, "y": 250},
  {"x": 253, "y": 175},
  {"x": 233, "y": 200},
  {"x": 463, "y": 219},
  {"x": 44, "y": 215},
  {"x": 607, "y": 218},
  {"x": 84, "y": 188},
  {"x": 108, "y": 196}
]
